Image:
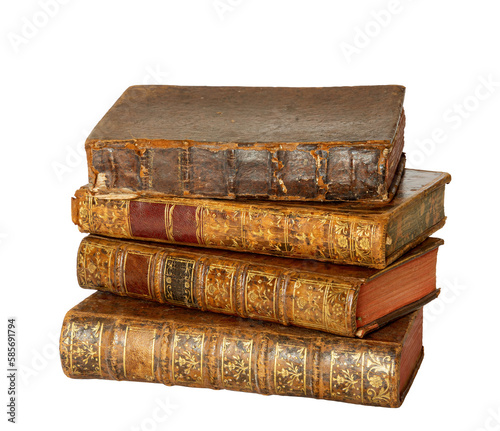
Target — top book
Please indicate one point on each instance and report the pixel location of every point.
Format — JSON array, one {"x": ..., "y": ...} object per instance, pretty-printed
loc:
[{"x": 312, "y": 144}]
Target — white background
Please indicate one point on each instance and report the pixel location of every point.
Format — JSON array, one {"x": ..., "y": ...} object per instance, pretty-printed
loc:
[{"x": 63, "y": 66}]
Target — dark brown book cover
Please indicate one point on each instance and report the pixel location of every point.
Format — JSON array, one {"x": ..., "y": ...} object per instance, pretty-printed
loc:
[
  {"x": 346, "y": 233},
  {"x": 118, "y": 338},
  {"x": 340, "y": 299},
  {"x": 314, "y": 144}
]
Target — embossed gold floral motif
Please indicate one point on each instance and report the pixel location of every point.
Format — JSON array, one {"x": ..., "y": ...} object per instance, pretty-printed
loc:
[
  {"x": 376, "y": 381},
  {"x": 307, "y": 235},
  {"x": 343, "y": 241},
  {"x": 109, "y": 217},
  {"x": 379, "y": 369},
  {"x": 219, "y": 285},
  {"x": 236, "y": 363},
  {"x": 320, "y": 305},
  {"x": 347, "y": 380},
  {"x": 340, "y": 239},
  {"x": 363, "y": 242},
  {"x": 94, "y": 264},
  {"x": 336, "y": 307},
  {"x": 342, "y": 227},
  {"x": 361, "y": 376},
  {"x": 308, "y": 295},
  {"x": 187, "y": 359},
  {"x": 346, "y": 375},
  {"x": 290, "y": 369},
  {"x": 65, "y": 346},
  {"x": 84, "y": 214},
  {"x": 352, "y": 240},
  {"x": 260, "y": 294},
  {"x": 81, "y": 343},
  {"x": 266, "y": 231},
  {"x": 220, "y": 227}
]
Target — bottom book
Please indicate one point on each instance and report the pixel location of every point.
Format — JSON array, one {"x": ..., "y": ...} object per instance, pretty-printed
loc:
[{"x": 119, "y": 338}]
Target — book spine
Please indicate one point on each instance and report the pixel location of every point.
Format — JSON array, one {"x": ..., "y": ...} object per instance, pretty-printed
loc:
[
  {"x": 306, "y": 233},
  {"x": 308, "y": 171},
  {"x": 397, "y": 149},
  {"x": 218, "y": 283},
  {"x": 96, "y": 346}
]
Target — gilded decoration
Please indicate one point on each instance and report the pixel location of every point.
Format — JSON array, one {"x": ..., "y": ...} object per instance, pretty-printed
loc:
[
  {"x": 178, "y": 281},
  {"x": 187, "y": 357},
  {"x": 105, "y": 216},
  {"x": 219, "y": 287},
  {"x": 94, "y": 263},
  {"x": 362, "y": 377},
  {"x": 236, "y": 364},
  {"x": 290, "y": 369},
  {"x": 81, "y": 348},
  {"x": 352, "y": 240},
  {"x": 321, "y": 305},
  {"x": 260, "y": 295}
]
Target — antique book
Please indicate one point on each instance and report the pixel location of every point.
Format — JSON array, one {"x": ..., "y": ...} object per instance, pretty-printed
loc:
[
  {"x": 340, "y": 299},
  {"x": 118, "y": 338},
  {"x": 314, "y": 144},
  {"x": 347, "y": 233}
]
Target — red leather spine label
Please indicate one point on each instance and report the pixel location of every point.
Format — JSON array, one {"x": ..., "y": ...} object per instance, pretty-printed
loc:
[
  {"x": 184, "y": 224},
  {"x": 147, "y": 220},
  {"x": 137, "y": 274}
]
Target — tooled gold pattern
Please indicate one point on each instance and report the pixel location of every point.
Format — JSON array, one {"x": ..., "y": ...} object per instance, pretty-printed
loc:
[
  {"x": 187, "y": 357},
  {"x": 334, "y": 238},
  {"x": 260, "y": 295},
  {"x": 94, "y": 264},
  {"x": 105, "y": 216},
  {"x": 81, "y": 348},
  {"x": 290, "y": 369},
  {"x": 185, "y": 278},
  {"x": 219, "y": 227},
  {"x": 236, "y": 363},
  {"x": 379, "y": 369},
  {"x": 320, "y": 305},
  {"x": 266, "y": 231},
  {"x": 314, "y": 234},
  {"x": 255, "y": 357},
  {"x": 361, "y": 376},
  {"x": 352, "y": 240},
  {"x": 309, "y": 234},
  {"x": 219, "y": 285},
  {"x": 169, "y": 223}
]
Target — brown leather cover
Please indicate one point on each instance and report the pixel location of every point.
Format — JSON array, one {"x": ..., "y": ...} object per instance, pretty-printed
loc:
[
  {"x": 314, "y": 144},
  {"x": 295, "y": 292},
  {"x": 119, "y": 338},
  {"x": 344, "y": 233}
]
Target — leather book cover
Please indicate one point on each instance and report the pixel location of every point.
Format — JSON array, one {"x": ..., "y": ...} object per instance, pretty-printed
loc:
[
  {"x": 346, "y": 233},
  {"x": 339, "y": 299},
  {"x": 313, "y": 144},
  {"x": 118, "y": 338}
]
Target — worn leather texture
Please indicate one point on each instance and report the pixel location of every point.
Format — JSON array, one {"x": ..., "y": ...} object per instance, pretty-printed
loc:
[
  {"x": 345, "y": 233},
  {"x": 295, "y": 292},
  {"x": 119, "y": 338},
  {"x": 314, "y": 144}
]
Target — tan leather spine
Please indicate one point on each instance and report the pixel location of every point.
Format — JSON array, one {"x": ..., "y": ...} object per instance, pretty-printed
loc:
[
  {"x": 341, "y": 233},
  {"x": 109, "y": 337},
  {"x": 220, "y": 284}
]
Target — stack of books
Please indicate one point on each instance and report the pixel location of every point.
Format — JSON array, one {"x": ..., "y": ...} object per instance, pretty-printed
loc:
[{"x": 266, "y": 240}]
